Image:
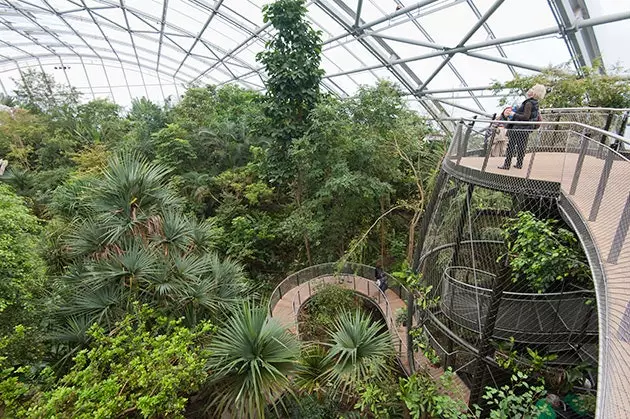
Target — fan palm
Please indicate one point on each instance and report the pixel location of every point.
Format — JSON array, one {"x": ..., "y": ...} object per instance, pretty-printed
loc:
[
  {"x": 252, "y": 357},
  {"x": 137, "y": 245},
  {"x": 313, "y": 370},
  {"x": 360, "y": 349}
]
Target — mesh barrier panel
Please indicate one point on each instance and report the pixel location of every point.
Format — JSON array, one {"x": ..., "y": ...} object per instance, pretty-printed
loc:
[{"x": 569, "y": 172}]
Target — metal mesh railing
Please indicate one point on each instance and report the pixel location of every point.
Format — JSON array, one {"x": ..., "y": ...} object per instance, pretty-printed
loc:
[
  {"x": 301, "y": 285},
  {"x": 526, "y": 317},
  {"x": 613, "y": 120},
  {"x": 584, "y": 169}
]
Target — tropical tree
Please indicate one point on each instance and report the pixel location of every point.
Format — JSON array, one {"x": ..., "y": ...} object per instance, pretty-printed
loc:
[
  {"x": 591, "y": 86},
  {"x": 361, "y": 350},
  {"x": 252, "y": 358},
  {"x": 131, "y": 242},
  {"x": 22, "y": 273},
  {"x": 291, "y": 60},
  {"x": 39, "y": 92}
]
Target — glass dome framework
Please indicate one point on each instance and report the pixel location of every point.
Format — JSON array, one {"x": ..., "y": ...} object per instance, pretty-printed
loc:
[{"x": 445, "y": 54}]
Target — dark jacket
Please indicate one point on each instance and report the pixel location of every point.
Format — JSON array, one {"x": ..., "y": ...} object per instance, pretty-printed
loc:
[{"x": 528, "y": 111}]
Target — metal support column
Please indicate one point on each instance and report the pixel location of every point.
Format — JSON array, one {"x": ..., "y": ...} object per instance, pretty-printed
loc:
[{"x": 485, "y": 344}]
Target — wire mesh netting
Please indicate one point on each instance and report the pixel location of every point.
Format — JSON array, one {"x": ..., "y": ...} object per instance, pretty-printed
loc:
[{"x": 494, "y": 204}]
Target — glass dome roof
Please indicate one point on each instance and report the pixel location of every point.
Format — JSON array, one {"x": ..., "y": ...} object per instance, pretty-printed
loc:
[{"x": 444, "y": 54}]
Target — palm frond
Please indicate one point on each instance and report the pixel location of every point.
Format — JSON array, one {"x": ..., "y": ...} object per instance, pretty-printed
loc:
[
  {"x": 313, "y": 370},
  {"x": 361, "y": 350},
  {"x": 252, "y": 357}
]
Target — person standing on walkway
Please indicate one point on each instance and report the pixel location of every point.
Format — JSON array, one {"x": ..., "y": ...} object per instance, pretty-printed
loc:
[
  {"x": 518, "y": 134},
  {"x": 381, "y": 278}
]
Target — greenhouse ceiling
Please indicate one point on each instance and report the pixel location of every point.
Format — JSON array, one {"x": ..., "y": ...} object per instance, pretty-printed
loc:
[{"x": 444, "y": 54}]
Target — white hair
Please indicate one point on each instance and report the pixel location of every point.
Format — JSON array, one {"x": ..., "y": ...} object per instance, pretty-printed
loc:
[{"x": 538, "y": 92}]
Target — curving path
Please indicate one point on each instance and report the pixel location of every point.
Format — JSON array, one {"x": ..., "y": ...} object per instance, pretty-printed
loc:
[
  {"x": 286, "y": 308},
  {"x": 592, "y": 183}
]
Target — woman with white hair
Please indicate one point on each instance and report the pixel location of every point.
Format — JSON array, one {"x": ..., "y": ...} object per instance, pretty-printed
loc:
[{"x": 519, "y": 133}]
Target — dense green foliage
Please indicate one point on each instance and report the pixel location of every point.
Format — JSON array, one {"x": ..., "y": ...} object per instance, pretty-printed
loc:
[
  {"x": 426, "y": 397},
  {"x": 542, "y": 255},
  {"x": 148, "y": 367},
  {"x": 21, "y": 268},
  {"x": 319, "y": 313},
  {"x": 130, "y": 239},
  {"x": 591, "y": 87}
]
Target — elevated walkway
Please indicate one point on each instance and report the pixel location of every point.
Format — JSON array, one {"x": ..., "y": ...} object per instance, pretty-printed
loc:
[
  {"x": 573, "y": 162},
  {"x": 296, "y": 289}
]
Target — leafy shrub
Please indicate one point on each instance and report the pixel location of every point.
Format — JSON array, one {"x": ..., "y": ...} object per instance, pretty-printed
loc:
[
  {"x": 322, "y": 309},
  {"x": 516, "y": 400},
  {"x": 426, "y": 397},
  {"x": 22, "y": 279},
  {"x": 309, "y": 406},
  {"x": 541, "y": 254},
  {"x": 147, "y": 366},
  {"x": 378, "y": 400}
]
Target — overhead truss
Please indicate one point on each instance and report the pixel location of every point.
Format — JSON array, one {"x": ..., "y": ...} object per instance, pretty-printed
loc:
[{"x": 164, "y": 45}]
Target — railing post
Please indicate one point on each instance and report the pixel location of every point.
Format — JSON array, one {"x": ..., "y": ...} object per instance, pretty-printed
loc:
[
  {"x": 620, "y": 234},
  {"x": 488, "y": 145},
  {"x": 299, "y": 299},
  {"x": 464, "y": 142},
  {"x": 624, "y": 124},
  {"x": 609, "y": 119},
  {"x": 456, "y": 142},
  {"x": 538, "y": 134},
  {"x": 578, "y": 166},
  {"x": 309, "y": 288},
  {"x": 603, "y": 180}
]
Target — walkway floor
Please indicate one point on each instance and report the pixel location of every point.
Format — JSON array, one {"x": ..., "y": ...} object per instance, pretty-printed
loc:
[
  {"x": 285, "y": 311},
  {"x": 557, "y": 167}
]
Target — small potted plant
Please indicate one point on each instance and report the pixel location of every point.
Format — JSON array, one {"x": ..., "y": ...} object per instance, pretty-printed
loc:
[{"x": 401, "y": 317}]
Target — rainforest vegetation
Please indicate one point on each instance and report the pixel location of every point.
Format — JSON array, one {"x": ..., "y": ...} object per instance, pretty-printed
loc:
[{"x": 139, "y": 245}]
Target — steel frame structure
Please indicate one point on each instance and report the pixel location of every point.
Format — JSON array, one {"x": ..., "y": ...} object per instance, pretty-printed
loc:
[{"x": 162, "y": 43}]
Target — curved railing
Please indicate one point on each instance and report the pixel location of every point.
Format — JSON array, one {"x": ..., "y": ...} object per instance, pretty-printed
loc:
[
  {"x": 301, "y": 285},
  {"x": 527, "y": 317},
  {"x": 609, "y": 119},
  {"x": 573, "y": 162}
]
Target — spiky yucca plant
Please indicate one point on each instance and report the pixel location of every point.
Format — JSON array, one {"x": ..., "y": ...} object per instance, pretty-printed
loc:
[
  {"x": 252, "y": 358},
  {"x": 360, "y": 350}
]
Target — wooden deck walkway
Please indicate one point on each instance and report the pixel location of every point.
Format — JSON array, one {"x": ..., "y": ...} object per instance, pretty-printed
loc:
[
  {"x": 560, "y": 168},
  {"x": 286, "y": 310}
]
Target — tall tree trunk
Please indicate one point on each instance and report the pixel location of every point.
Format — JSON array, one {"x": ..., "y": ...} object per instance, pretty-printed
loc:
[
  {"x": 382, "y": 239},
  {"x": 413, "y": 224},
  {"x": 298, "y": 200}
]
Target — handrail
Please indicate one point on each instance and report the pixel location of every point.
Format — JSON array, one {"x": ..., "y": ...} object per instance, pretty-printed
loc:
[
  {"x": 542, "y": 123},
  {"x": 586, "y": 108},
  {"x": 592, "y": 178},
  {"x": 508, "y": 293},
  {"x": 331, "y": 268},
  {"x": 334, "y": 270}
]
